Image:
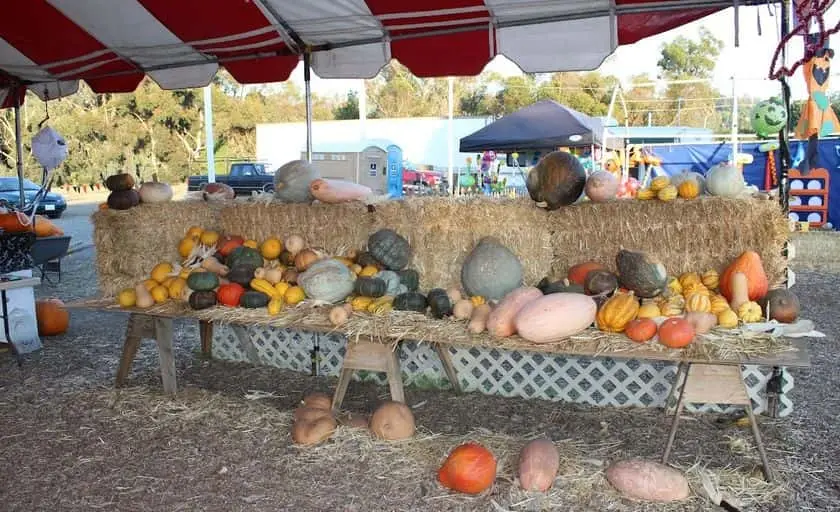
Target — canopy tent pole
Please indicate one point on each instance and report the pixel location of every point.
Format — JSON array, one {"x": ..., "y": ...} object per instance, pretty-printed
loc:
[
  {"x": 450, "y": 134},
  {"x": 784, "y": 148},
  {"x": 735, "y": 114},
  {"x": 19, "y": 149},
  {"x": 307, "y": 71},
  {"x": 609, "y": 116},
  {"x": 362, "y": 110},
  {"x": 208, "y": 133}
]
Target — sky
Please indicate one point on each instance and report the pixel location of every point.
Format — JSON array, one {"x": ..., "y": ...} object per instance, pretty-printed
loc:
[{"x": 751, "y": 61}]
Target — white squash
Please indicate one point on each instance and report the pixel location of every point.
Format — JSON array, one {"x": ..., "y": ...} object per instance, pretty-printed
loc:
[
  {"x": 327, "y": 280},
  {"x": 725, "y": 180},
  {"x": 155, "y": 192},
  {"x": 555, "y": 316}
]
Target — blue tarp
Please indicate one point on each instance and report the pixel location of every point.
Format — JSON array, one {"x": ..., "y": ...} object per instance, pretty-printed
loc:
[{"x": 702, "y": 157}]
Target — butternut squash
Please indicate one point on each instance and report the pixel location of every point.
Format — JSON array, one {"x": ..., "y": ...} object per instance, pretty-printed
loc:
[
  {"x": 144, "y": 297},
  {"x": 478, "y": 320},
  {"x": 215, "y": 266},
  {"x": 500, "y": 321},
  {"x": 338, "y": 191},
  {"x": 739, "y": 286}
]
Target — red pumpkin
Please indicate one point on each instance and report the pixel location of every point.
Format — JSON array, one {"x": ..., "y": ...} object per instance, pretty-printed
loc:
[
  {"x": 577, "y": 274},
  {"x": 228, "y": 243},
  {"x": 52, "y": 317},
  {"x": 640, "y": 330},
  {"x": 749, "y": 264},
  {"x": 676, "y": 333},
  {"x": 470, "y": 468},
  {"x": 229, "y": 294}
]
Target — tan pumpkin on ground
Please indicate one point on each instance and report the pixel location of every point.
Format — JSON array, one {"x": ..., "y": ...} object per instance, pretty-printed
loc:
[
  {"x": 648, "y": 480},
  {"x": 392, "y": 421},
  {"x": 539, "y": 463},
  {"x": 315, "y": 431}
]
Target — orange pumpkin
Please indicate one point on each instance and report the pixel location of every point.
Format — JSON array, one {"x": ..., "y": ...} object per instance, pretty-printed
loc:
[
  {"x": 676, "y": 333},
  {"x": 640, "y": 330},
  {"x": 470, "y": 468},
  {"x": 577, "y": 274},
  {"x": 229, "y": 294},
  {"x": 14, "y": 222},
  {"x": 52, "y": 317},
  {"x": 45, "y": 227},
  {"x": 749, "y": 264},
  {"x": 228, "y": 243}
]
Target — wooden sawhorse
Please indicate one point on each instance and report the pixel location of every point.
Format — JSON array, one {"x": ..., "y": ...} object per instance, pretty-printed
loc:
[
  {"x": 364, "y": 354},
  {"x": 159, "y": 329},
  {"x": 715, "y": 384}
]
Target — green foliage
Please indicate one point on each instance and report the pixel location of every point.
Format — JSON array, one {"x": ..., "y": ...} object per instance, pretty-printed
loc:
[{"x": 686, "y": 58}]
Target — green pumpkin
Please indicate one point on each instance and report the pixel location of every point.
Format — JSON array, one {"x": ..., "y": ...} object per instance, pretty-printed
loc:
[
  {"x": 202, "y": 299},
  {"x": 410, "y": 301},
  {"x": 242, "y": 274},
  {"x": 562, "y": 286},
  {"x": 390, "y": 249},
  {"x": 491, "y": 270},
  {"x": 369, "y": 287},
  {"x": 439, "y": 303},
  {"x": 366, "y": 259},
  {"x": 254, "y": 299},
  {"x": 410, "y": 278},
  {"x": 202, "y": 281},
  {"x": 244, "y": 256}
]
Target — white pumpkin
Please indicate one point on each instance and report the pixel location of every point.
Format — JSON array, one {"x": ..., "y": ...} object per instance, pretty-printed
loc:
[
  {"x": 328, "y": 280},
  {"x": 725, "y": 180},
  {"x": 155, "y": 192},
  {"x": 292, "y": 180}
]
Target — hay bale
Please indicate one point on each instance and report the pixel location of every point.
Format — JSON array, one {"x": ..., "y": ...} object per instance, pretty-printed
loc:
[
  {"x": 687, "y": 235},
  {"x": 698, "y": 235},
  {"x": 442, "y": 232},
  {"x": 129, "y": 243},
  {"x": 334, "y": 227}
]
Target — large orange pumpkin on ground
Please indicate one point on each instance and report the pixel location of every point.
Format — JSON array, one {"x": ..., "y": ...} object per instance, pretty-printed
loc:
[
  {"x": 470, "y": 468},
  {"x": 52, "y": 317},
  {"x": 749, "y": 264}
]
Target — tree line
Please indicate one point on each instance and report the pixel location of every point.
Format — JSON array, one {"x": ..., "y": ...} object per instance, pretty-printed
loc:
[{"x": 155, "y": 131}]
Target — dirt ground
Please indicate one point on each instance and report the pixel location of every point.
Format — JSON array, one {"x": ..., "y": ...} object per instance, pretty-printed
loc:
[{"x": 70, "y": 442}]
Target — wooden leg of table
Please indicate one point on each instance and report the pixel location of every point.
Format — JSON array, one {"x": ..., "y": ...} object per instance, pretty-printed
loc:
[
  {"x": 446, "y": 361},
  {"x": 759, "y": 444},
  {"x": 133, "y": 338},
  {"x": 395, "y": 377},
  {"x": 205, "y": 332},
  {"x": 674, "y": 424},
  {"x": 341, "y": 389},
  {"x": 247, "y": 345},
  {"x": 163, "y": 336},
  {"x": 677, "y": 377}
]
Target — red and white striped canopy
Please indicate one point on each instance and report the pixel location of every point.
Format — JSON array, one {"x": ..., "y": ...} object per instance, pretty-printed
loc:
[{"x": 48, "y": 45}]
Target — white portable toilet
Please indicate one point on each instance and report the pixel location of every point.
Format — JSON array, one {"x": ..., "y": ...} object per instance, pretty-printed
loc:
[{"x": 364, "y": 162}]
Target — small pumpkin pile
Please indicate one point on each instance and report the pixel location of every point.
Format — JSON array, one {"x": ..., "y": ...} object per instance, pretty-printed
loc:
[
  {"x": 686, "y": 185},
  {"x": 313, "y": 420}
]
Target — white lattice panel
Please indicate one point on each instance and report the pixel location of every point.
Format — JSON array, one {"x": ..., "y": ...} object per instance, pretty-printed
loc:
[
  {"x": 596, "y": 381},
  {"x": 282, "y": 348}
]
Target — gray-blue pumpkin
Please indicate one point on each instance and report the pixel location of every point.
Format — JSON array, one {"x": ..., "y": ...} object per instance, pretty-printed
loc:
[{"x": 491, "y": 270}]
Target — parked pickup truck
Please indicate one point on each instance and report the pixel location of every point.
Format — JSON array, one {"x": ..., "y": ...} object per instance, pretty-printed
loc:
[{"x": 243, "y": 177}]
